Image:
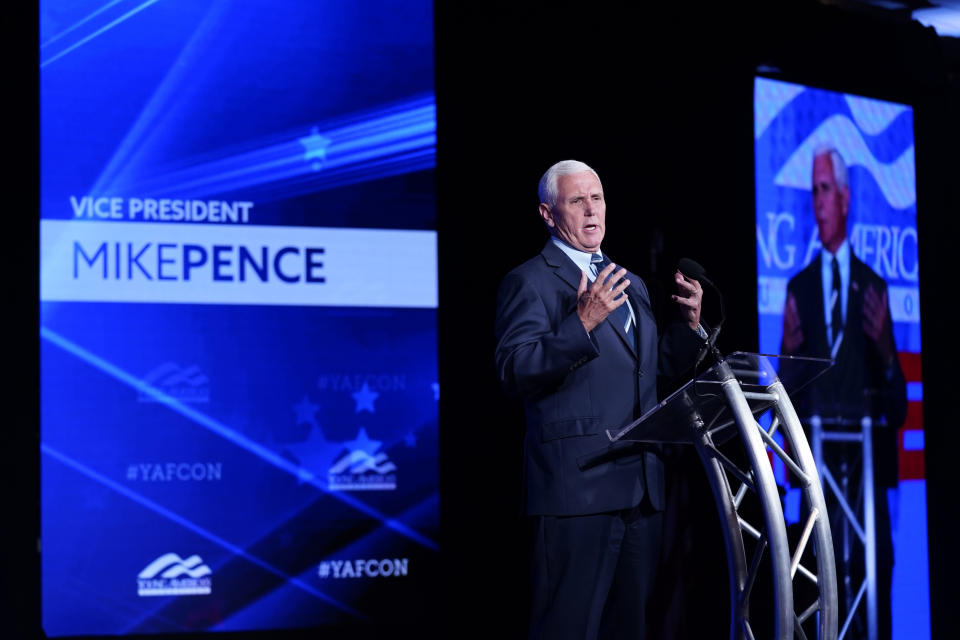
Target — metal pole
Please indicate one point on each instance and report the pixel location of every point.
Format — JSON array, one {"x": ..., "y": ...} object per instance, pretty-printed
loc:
[
  {"x": 870, "y": 526},
  {"x": 770, "y": 498},
  {"x": 845, "y": 533},
  {"x": 813, "y": 493},
  {"x": 732, "y": 536},
  {"x": 816, "y": 437}
]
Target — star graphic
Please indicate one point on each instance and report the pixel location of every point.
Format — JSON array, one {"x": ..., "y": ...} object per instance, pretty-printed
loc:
[
  {"x": 436, "y": 390},
  {"x": 410, "y": 439},
  {"x": 316, "y": 148},
  {"x": 305, "y": 411},
  {"x": 314, "y": 455},
  {"x": 365, "y": 398},
  {"x": 363, "y": 443}
]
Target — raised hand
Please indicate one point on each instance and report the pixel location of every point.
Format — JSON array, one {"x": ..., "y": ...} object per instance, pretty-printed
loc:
[
  {"x": 689, "y": 296},
  {"x": 596, "y": 302},
  {"x": 876, "y": 322},
  {"x": 792, "y": 334}
]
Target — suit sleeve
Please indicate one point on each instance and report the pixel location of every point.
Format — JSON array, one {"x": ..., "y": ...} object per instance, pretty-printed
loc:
[
  {"x": 679, "y": 347},
  {"x": 536, "y": 347},
  {"x": 791, "y": 291},
  {"x": 893, "y": 384}
]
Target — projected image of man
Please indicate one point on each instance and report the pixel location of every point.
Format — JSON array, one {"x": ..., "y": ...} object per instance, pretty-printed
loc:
[{"x": 837, "y": 307}]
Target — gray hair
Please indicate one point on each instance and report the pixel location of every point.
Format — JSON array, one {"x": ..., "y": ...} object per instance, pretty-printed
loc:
[
  {"x": 547, "y": 189},
  {"x": 836, "y": 160}
]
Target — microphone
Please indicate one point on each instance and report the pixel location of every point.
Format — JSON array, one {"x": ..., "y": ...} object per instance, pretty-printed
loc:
[{"x": 694, "y": 271}]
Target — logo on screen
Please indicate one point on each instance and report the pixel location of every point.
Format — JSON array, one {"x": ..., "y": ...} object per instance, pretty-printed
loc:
[
  {"x": 171, "y": 575},
  {"x": 186, "y": 384},
  {"x": 363, "y": 468},
  {"x": 363, "y": 568}
]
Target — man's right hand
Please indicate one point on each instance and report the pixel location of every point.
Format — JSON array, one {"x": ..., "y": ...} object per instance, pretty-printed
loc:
[
  {"x": 596, "y": 302},
  {"x": 792, "y": 334}
]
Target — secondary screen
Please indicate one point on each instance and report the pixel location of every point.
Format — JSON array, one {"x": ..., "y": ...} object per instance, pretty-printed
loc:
[
  {"x": 836, "y": 186},
  {"x": 238, "y": 314}
]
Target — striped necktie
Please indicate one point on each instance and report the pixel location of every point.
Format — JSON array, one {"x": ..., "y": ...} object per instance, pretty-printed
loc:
[{"x": 621, "y": 315}]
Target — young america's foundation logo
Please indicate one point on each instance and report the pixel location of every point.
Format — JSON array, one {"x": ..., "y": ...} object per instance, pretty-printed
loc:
[
  {"x": 360, "y": 464},
  {"x": 186, "y": 384},
  {"x": 362, "y": 468},
  {"x": 171, "y": 575}
]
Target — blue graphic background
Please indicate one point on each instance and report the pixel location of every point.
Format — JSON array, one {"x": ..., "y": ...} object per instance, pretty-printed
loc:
[{"x": 322, "y": 114}]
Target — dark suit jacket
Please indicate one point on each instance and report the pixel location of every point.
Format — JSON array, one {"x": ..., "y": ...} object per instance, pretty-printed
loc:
[
  {"x": 576, "y": 385},
  {"x": 858, "y": 384}
]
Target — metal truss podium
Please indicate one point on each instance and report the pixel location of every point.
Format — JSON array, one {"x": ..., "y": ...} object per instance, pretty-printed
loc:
[
  {"x": 858, "y": 520},
  {"x": 721, "y": 413}
]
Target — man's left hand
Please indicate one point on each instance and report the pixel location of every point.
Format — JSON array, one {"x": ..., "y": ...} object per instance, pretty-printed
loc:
[
  {"x": 690, "y": 298},
  {"x": 876, "y": 322}
]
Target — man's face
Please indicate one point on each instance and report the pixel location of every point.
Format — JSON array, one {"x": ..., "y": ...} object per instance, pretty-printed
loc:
[
  {"x": 579, "y": 215},
  {"x": 830, "y": 204}
]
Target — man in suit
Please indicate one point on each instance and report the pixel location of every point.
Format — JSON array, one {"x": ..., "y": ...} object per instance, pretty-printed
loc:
[
  {"x": 837, "y": 307},
  {"x": 577, "y": 340}
]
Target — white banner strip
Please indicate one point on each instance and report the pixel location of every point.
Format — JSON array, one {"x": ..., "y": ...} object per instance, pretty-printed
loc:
[
  {"x": 91, "y": 261},
  {"x": 771, "y": 294},
  {"x": 904, "y": 301},
  {"x": 904, "y": 304}
]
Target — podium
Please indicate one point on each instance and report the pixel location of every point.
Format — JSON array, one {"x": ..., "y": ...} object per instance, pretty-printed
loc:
[
  {"x": 721, "y": 414},
  {"x": 858, "y": 525}
]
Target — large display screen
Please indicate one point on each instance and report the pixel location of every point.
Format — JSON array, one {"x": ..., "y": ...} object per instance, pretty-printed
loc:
[
  {"x": 870, "y": 210},
  {"x": 238, "y": 290}
]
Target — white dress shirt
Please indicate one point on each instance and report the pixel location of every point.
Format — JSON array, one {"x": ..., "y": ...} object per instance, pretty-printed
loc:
[{"x": 826, "y": 274}]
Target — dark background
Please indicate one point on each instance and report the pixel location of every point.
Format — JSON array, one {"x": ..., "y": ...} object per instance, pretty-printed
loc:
[{"x": 659, "y": 100}]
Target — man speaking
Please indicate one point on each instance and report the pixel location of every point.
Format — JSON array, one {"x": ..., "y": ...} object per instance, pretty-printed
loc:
[
  {"x": 838, "y": 308},
  {"x": 577, "y": 340}
]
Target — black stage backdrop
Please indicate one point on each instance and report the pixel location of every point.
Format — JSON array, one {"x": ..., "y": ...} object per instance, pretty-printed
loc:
[{"x": 659, "y": 101}]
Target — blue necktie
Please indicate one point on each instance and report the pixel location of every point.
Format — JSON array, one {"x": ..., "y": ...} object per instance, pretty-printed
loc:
[
  {"x": 621, "y": 315},
  {"x": 836, "y": 317}
]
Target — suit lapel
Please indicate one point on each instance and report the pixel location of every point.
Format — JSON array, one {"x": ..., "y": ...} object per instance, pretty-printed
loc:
[
  {"x": 858, "y": 284},
  {"x": 633, "y": 295},
  {"x": 823, "y": 345},
  {"x": 567, "y": 271},
  {"x": 562, "y": 266}
]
